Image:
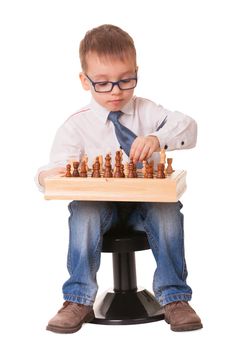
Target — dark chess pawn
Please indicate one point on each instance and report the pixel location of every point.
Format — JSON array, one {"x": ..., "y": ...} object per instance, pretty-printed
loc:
[
  {"x": 169, "y": 169},
  {"x": 83, "y": 171},
  {"x": 149, "y": 170},
  {"x": 131, "y": 170},
  {"x": 96, "y": 168},
  {"x": 68, "y": 172},
  {"x": 118, "y": 172},
  {"x": 108, "y": 166},
  {"x": 160, "y": 171},
  {"x": 76, "y": 169}
]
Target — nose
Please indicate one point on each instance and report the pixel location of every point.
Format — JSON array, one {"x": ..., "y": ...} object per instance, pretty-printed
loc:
[{"x": 116, "y": 89}]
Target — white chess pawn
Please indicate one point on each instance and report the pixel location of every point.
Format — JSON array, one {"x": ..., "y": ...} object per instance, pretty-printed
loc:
[{"x": 163, "y": 156}]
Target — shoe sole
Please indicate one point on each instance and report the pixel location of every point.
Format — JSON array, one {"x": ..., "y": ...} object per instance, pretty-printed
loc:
[
  {"x": 185, "y": 327},
  {"x": 74, "y": 329}
]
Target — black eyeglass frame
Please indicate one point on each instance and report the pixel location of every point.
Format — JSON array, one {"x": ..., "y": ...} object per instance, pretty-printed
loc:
[{"x": 113, "y": 83}]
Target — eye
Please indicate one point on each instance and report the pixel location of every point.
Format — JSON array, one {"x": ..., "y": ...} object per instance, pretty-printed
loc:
[
  {"x": 126, "y": 80},
  {"x": 103, "y": 83}
]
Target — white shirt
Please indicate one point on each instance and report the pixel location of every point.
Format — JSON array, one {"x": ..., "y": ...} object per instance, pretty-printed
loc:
[{"x": 89, "y": 131}]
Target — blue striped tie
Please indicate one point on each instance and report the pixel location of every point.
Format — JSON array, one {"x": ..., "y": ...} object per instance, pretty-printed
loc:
[{"x": 124, "y": 135}]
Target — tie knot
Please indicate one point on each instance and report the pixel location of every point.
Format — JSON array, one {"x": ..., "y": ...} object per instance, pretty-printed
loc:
[{"x": 113, "y": 116}]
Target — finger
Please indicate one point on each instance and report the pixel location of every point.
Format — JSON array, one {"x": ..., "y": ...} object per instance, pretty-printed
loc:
[
  {"x": 138, "y": 151},
  {"x": 153, "y": 146},
  {"x": 147, "y": 149},
  {"x": 145, "y": 153},
  {"x": 134, "y": 147},
  {"x": 150, "y": 152}
]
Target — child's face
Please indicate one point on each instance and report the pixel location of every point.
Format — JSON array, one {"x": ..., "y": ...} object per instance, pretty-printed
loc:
[{"x": 109, "y": 69}]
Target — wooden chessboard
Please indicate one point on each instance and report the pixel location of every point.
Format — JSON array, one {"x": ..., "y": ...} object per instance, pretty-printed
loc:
[{"x": 137, "y": 189}]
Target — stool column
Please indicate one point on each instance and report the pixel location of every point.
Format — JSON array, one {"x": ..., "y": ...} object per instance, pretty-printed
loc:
[{"x": 124, "y": 272}]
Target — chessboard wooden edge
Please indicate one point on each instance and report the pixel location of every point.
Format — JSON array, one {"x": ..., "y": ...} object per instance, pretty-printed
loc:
[{"x": 169, "y": 189}]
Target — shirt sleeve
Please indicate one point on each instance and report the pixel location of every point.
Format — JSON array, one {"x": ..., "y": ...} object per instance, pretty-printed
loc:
[
  {"x": 178, "y": 131},
  {"x": 67, "y": 145}
]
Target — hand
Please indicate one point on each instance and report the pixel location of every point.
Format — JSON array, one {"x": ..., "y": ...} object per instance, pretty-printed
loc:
[
  {"x": 143, "y": 147},
  {"x": 50, "y": 172}
]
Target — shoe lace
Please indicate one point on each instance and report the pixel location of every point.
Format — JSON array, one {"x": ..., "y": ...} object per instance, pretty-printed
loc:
[
  {"x": 175, "y": 305},
  {"x": 69, "y": 307}
]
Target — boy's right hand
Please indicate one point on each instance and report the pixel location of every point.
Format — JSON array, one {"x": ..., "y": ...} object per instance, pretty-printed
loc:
[
  {"x": 50, "y": 172},
  {"x": 143, "y": 147}
]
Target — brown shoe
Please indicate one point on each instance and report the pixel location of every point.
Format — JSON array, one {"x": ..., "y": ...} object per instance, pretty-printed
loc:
[
  {"x": 70, "y": 318},
  {"x": 182, "y": 317}
]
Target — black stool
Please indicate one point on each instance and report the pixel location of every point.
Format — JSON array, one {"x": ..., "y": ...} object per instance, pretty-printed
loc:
[{"x": 125, "y": 304}]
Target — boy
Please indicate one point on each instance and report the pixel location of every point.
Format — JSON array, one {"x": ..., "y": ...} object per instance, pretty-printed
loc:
[{"x": 109, "y": 72}]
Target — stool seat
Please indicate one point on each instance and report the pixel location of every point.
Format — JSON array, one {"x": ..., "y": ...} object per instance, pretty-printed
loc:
[
  {"x": 125, "y": 303},
  {"x": 121, "y": 240}
]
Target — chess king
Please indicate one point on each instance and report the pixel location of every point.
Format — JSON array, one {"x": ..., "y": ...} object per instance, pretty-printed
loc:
[{"x": 116, "y": 117}]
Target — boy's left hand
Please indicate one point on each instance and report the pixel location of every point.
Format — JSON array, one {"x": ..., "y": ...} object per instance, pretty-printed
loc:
[{"x": 143, "y": 147}]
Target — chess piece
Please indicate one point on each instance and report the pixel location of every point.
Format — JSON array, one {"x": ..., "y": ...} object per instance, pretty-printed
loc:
[
  {"x": 146, "y": 170},
  {"x": 108, "y": 166},
  {"x": 85, "y": 159},
  {"x": 68, "y": 172},
  {"x": 131, "y": 167},
  {"x": 144, "y": 167},
  {"x": 169, "y": 169},
  {"x": 122, "y": 170},
  {"x": 101, "y": 163},
  {"x": 149, "y": 170},
  {"x": 96, "y": 168},
  {"x": 160, "y": 171},
  {"x": 126, "y": 169},
  {"x": 162, "y": 156},
  {"x": 117, "y": 172},
  {"x": 76, "y": 169},
  {"x": 134, "y": 171},
  {"x": 83, "y": 171},
  {"x": 121, "y": 154}
]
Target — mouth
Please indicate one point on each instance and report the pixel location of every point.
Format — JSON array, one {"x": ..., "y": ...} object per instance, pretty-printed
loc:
[{"x": 115, "y": 101}]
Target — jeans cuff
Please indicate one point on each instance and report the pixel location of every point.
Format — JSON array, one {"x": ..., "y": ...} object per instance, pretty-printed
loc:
[
  {"x": 167, "y": 299},
  {"x": 78, "y": 299}
]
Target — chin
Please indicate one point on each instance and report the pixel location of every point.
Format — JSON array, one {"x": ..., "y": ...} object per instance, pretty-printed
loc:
[{"x": 114, "y": 106}]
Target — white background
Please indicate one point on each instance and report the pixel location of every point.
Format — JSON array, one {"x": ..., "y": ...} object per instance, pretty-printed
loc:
[{"x": 193, "y": 57}]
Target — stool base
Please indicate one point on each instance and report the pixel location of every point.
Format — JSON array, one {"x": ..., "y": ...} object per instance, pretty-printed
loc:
[{"x": 114, "y": 308}]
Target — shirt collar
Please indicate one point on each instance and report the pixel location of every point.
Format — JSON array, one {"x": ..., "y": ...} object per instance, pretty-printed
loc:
[{"x": 102, "y": 113}]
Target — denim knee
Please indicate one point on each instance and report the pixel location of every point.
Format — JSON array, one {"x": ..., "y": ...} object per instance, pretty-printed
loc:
[{"x": 102, "y": 214}]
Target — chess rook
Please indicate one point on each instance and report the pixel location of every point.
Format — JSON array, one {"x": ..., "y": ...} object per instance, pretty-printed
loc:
[{"x": 169, "y": 169}]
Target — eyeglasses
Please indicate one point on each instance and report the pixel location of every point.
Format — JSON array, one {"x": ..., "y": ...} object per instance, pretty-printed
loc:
[{"x": 107, "y": 86}]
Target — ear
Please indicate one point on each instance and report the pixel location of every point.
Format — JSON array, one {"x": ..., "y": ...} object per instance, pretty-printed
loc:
[{"x": 84, "y": 81}]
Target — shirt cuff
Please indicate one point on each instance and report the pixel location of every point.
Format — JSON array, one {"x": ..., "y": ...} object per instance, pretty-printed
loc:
[{"x": 44, "y": 168}]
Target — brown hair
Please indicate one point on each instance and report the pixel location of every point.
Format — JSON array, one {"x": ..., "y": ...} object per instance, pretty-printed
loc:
[{"x": 107, "y": 40}]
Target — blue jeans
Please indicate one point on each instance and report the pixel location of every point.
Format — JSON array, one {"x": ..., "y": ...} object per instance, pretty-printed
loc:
[{"x": 163, "y": 223}]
